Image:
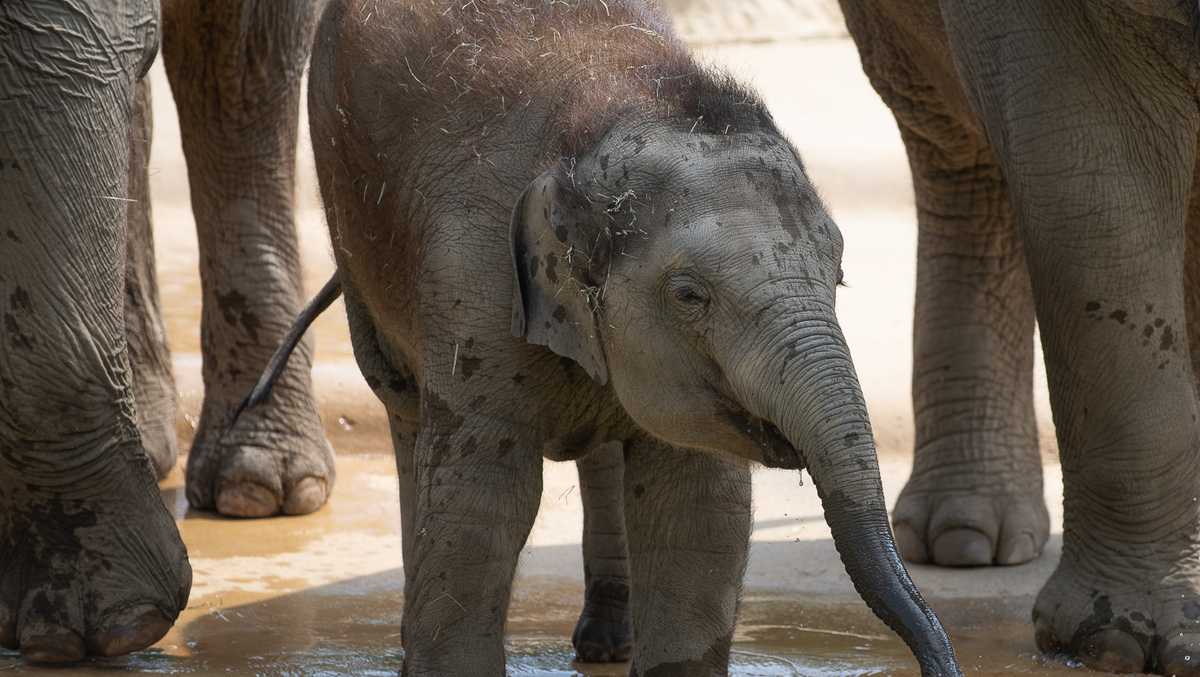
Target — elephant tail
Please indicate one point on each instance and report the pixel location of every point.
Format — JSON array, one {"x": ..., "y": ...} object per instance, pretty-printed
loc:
[{"x": 262, "y": 389}]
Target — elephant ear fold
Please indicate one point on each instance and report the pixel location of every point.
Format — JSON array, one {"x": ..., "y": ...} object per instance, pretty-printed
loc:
[{"x": 555, "y": 237}]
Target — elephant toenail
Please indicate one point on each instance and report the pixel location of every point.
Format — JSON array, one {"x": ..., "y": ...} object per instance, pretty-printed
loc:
[
  {"x": 1112, "y": 651},
  {"x": 1017, "y": 550},
  {"x": 52, "y": 644},
  {"x": 134, "y": 630},
  {"x": 247, "y": 499},
  {"x": 911, "y": 548},
  {"x": 307, "y": 496},
  {"x": 962, "y": 548}
]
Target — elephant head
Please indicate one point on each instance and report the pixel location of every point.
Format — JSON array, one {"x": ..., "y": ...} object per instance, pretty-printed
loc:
[{"x": 696, "y": 275}]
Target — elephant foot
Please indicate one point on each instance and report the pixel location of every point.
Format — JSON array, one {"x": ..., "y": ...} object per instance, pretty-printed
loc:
[
  {"x": 604, "y": 632},
  {"x": 275, "y": 461},
  {"x": 100, "y": 575},
  {"x": 970, "y": 521},
  {"x": 1114, "y": 626}
]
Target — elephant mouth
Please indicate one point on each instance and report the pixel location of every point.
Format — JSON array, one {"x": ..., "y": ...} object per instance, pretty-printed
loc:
[{"x": 775, "y": 448}]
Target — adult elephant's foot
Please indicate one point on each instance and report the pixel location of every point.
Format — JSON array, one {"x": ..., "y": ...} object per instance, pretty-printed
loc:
[
  {"x": 276, "y": 460},
  {"x": 971, "y": 517},
  {"x": 604, "y": 632},
  {"x": 102, "y": 574},
  {"x": 1146, "y": 618}
]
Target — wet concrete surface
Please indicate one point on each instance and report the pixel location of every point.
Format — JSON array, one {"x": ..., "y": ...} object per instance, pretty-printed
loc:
[{"x": 322, "y": 594}]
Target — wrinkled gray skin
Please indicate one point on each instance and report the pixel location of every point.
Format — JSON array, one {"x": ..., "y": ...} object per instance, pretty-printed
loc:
[
  {"x": 1052, "y": 147},
  {"x": 663, "y": 298},
  {"x": 90, "y": 561}
]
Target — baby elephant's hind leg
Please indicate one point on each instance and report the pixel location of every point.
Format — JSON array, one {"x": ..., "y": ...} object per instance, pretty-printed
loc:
[{"x": 604, "y": 632}]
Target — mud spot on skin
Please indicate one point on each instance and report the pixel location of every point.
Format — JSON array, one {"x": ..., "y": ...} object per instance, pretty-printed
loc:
[
  {"x": 1168, "y": 339},
  {"x": 470, "y": 365},
  {"x": 552, "y": 268},
  {"x": 12, "y": 235},
  {"x": 1119, "y": 316},
  {"x": 639, "y": 490},
  {"x": 534, "y": 264},
  {"x": 18, "y": 338},
  {"x": 20, "y": 300},
  {"x": 1148, "y": 330},
  {"x": 506, "y": 445},
  {"x": 1092, "y": 306},
  {"x": 470, "y": 446},
  {"x": 518, "y": 378},
  {"x": 560, "y": 314},
  {"x": 233, "y": 307}
]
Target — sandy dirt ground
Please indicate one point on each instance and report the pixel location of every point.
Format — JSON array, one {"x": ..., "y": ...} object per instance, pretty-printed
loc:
[{"x": 321, "y": 594}]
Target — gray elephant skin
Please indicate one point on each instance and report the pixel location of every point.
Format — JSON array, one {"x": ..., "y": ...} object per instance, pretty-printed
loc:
[
  {"x": 557, "y": 234},
  {"x": 1053, "y": 154},
  {"x": 90, "y": 561}
]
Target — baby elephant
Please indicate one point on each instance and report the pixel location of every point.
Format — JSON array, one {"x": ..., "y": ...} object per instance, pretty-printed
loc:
[{"x": 556, "y": 233}]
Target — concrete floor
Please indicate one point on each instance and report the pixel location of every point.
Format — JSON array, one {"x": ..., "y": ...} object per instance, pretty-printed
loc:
[{"x": 321, "y": 594}]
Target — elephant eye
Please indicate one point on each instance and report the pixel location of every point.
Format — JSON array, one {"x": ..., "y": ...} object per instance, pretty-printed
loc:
[{"x": 687, "y": 292}]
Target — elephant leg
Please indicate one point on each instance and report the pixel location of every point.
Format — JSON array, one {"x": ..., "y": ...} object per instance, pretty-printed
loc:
[
  {"x": 604, "y": 632},
  {"x": 1098, "y": 146},
  {"x": 235, "y": 71},
  {"x": 91, "y": 562},
  {"x": 149, "y": 358},
  {"x": 975, "y": 494},
  {"x": 688, "y": 520},
  {"x": 478, "y": 484},
  {"x": 394, "y": 385}
]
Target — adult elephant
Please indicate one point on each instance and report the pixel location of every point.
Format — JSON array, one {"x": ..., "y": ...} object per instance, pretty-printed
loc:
[
  {"x": 1053, "y": 147},
  {"x": 90, "y": 561}
]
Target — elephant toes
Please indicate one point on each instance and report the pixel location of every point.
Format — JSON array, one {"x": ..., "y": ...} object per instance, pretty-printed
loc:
[
  {"x": 90, "y": 577},
  {"x": 970, "y": 529},
  {"x": 604, "y": 633},
  {"x": 600, "y": 641},
  {"x": 1127, "y": 632},
  {"x": 272, "y": 463}
]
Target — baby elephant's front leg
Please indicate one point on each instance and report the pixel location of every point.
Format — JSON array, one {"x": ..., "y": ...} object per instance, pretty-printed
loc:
[
  {"x": 689, "y": 523},
  {"x": 604, "y": 633},
  {"x": 478, "y": 484}
]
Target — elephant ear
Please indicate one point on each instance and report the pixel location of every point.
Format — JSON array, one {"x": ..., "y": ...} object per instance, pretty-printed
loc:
[{"x": 559, "y": 240}]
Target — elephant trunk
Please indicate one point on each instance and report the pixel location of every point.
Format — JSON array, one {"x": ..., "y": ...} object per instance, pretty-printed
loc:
[{"x": 817, "y": 404}]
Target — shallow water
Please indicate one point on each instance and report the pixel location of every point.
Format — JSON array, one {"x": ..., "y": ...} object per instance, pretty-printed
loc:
[{"x": 323, "y": 594}]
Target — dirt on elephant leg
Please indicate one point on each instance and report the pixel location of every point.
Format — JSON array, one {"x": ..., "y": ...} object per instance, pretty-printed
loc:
[
  {"x": 150, "y": 359},
  {"x": 235, "y": 71}
]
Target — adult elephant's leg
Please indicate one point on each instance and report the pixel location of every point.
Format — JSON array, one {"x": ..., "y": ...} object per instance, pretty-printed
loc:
[
  {"x": 90, "y": 560},
  {"x": 149, "y": 358},
  {"x": 235, "y": 68},
  {"x": 1095, "y": 123},
  {"x": 604, "y": 631},
  {"x": 975, "y": 494},
  {"x": 688, "y": 520},
  {"x": 478, "y": 482}
]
